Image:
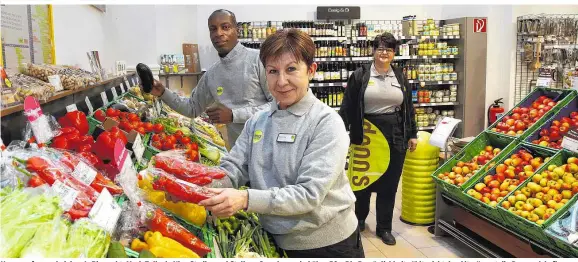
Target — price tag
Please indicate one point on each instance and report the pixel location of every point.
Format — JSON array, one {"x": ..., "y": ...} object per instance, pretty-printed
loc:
[
  {"x": 104, "y": 98},
  {"x": 114, "y": 94},
  {"x": 71, "y": 108},
  {"x": 434, "y": 56},
  {"x": 84, "y": 173},
  {"x": 126, "y": 81},
  {"x": 570, "y": 140},
  {"x": 159, "y": 107},
  {"x": 333, "y": 59},
  {"x": 105, "y": 212},
  {"x": 55, "y": 81},
  {"x": 89, "y": 105},
  {"x": 451, "y": 82},
  {"x": 440, "y": 82},
  {"x": 138, "y": 148},
  {"x": 67, "y": 194},
  {"x": 122, "y": 88}
]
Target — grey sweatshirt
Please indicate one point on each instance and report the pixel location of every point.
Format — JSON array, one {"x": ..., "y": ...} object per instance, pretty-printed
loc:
[
  {"x": 236, "y": 81},
  {"x": 295, "y": 161}
]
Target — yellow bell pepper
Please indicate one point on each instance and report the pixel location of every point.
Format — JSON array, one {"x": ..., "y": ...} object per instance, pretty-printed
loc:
[
  {"x": 167, "y": 247},
  {"x": 163, "y": 252},
  {"x": 138, "y": 245}
]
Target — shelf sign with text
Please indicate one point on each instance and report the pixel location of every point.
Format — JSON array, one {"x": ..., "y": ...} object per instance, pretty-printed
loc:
[
  {"x": 338, "y": 12},
  {"x": 570, "y": 140}
]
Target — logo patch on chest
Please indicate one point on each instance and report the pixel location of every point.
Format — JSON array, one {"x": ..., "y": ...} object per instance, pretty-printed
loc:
[
  {"x": 257, "y": 136},
  {"x": 219, "y": 90}
]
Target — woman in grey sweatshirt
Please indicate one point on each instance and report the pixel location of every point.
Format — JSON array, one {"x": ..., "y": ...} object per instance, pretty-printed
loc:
[{"x": 293, "y": 155}]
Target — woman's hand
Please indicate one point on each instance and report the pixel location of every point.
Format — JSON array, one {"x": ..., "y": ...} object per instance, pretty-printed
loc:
[
  {"x": 227, "y": 202},
  {"x": 412, "y": 144}
]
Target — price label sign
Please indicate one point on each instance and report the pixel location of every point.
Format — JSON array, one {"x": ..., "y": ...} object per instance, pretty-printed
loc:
[
  {"x": 104, "y": 98},
  {"x": 89, "y": 105},
  {"x": 105, "y": 211},
  {"x": 570, "y": 140},
  {"x": 138, "y": 148},
  {"x": 114, "y": 94},
  {"x": 67, "y": 194},
  {"x": 71, "y": 108},
  {"x": 55, "y": 81},
  {"x": 84, "y": 173},
  {"x": 122, "y": 88},
  {"x": 126, "y": 81}
]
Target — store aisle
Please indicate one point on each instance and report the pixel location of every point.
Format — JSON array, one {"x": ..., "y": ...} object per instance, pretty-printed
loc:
[{"x": 412, "y": 241}]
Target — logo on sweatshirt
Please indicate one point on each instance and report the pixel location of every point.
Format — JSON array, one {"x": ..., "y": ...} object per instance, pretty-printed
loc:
[
  {"x": 257, "y": 136},
  {"x": 219, "y": 90}
]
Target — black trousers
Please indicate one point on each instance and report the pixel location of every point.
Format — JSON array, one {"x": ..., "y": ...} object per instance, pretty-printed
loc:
[
  {"x": 386, "y": 185},
  {"x": 351, "y": 247}
]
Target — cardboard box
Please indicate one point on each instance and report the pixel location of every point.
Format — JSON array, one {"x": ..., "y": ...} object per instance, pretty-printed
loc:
[{"x": 192, "y": 59}]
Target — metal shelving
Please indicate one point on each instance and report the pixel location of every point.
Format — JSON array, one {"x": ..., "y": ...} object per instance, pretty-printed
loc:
[
  {"x": 436, "y": 104},
  {"x": 432, "y": 83}
]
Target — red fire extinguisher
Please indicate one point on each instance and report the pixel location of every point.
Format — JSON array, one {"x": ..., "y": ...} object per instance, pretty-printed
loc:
[{"x": 495, "y": 111}]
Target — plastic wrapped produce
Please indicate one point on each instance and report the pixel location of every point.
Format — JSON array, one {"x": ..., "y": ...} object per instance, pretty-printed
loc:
[
  {"x": 176, "y": 188},
  {"x": 23, "y": 86},
  {"x": 70, "y": 78}
]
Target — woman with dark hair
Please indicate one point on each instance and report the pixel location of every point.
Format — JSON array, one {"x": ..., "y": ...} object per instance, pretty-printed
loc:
[
  {"x": 293, "y": 155},
  {"x": 380, "y": 94}
]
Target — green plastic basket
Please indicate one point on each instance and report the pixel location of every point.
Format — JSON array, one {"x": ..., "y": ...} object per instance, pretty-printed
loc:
[
  {"x": 562, "y": 96},
  {"x": 492, "y": 212},
  {"x": 530, "y": 229},
  {"x": 466, "y": 154}
]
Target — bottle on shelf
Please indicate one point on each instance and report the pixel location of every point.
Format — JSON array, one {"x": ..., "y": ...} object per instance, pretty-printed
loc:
[
  {"x": 327, "y": 74},
  {"x": 344, "y": 73}
]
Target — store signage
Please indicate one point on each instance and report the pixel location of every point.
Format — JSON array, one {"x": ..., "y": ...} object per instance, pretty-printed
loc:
[
  {"x": 338, "y": 12},
  {"x": 38, "y": 120},
  {"x": 104, "y": 98},
  {"x": 122, "y": 88},
  {"x": 570, "y": 140},
  {"x": 545, "y": 76},
  {"x": 71, "y": 108},
  {"x": 480, "y": 25},
  {"x": 368, "y": 161},
  {"x": 114, "y": 94},
  {"x": 89, "y": 105},
  {"x": 54, "y": 80}
]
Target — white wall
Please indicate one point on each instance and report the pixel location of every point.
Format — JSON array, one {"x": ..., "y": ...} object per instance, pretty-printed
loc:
[{"x": 78, "y": 29}]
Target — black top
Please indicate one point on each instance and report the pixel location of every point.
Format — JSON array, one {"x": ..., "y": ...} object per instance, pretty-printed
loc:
[{"x": 352, "y": 107}]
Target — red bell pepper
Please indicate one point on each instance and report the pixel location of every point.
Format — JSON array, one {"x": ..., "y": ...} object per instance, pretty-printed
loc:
[
  {"x": 99, "y": 183},
  {"x": 181, "y": 190},
  {"x": 92, "y": 159},
  {"x": 184, "y": 169},
  {"x": 158, "y": 221},
  {"x": 75, "y": 119}
]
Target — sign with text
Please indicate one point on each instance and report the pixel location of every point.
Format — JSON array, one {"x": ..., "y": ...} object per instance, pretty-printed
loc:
[
  {"x": 338, "y": 12},
  {"x": 480, "y": 25}
]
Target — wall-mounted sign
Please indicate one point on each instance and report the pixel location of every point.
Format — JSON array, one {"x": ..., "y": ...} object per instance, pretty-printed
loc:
[
  {"x": 338, "y": 12},
  {"x": 480, "y": 25}
]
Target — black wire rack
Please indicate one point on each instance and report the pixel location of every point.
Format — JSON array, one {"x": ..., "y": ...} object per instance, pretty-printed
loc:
[{"x": 546, "y": 47}]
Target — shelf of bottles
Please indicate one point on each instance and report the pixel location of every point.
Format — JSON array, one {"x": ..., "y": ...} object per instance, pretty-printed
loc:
[{"x": 426, "y": 57}]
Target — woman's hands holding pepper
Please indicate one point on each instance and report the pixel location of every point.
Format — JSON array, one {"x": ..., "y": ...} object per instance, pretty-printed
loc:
[{"x": 227, "y": 202}]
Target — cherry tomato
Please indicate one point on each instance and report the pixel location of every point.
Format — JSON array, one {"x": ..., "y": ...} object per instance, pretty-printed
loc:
[
  {"x": 110, "y": 112},
  {"x": 158, "y": 128},
  {"x": 156, "y": 137},
  {"x": 148, "y": 127},
  {"x": 157, "y": 145},
  {"x": 141, "y": 130},
  {"x": 133, "y": 117},
  {"x": 185, "y": 140},
  {"x": 99, "y": 115},
  {"x": 194, "y": 146},
  {"x": 172, "y": 138}
]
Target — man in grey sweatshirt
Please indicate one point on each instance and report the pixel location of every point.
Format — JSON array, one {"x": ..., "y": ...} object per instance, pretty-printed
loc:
[{"x": 232, "y": 89}]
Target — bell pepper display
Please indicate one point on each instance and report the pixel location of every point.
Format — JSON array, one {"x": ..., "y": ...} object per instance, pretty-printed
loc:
[
  {"x": 189, "y": 171},
  {"x": 177, "y": 188},
  {"x": 105, "y": 142},
  {"x": 51, "y": 173},
  {"x": 70, "y": 138},
  {"x": 75, "y": 119},
  {"x": 158, "y": 221},
  {"x": 165, "y": 247},
  {"x": 192, "y": 213},
  {"x": 99, "y": 183}
]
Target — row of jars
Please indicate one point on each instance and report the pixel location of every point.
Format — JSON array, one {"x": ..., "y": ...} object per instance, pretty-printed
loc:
[
  {"x": 438, "y": 77},
  {"x": 430, "y": 117},
  {"x": 436, "y": 96}
]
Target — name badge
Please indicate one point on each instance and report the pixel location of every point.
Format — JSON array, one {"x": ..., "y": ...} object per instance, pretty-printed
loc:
[
  {"x": 371, "y": 83},
  {"x": 396, "y": 84},
  {"x": 286, "y": 138}
]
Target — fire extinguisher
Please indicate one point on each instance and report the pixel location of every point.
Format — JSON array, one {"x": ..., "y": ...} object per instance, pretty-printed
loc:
[{"x": 494, "y": 111}]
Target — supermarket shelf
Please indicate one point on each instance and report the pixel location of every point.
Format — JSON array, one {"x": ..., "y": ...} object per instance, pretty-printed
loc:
[
  {"x": 361, "y": 38},
  {"x": 422, "y": 128},
  {"x": 432, "y": 83},
  {"x": 425, "y": 57},
  {"x": 331, "y": 59},
  {"x": 19, "y": 107},
  {"x": 327, "y": 84},
  {"x": 369, "y": 58},
  {"x": 436, "y": 104}
]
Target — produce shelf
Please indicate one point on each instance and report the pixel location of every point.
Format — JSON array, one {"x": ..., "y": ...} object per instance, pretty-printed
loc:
[
  {"x": 436, "y": 104},
  {"x": 432, "y": 83},
  {"x": 327, "y": 84}
]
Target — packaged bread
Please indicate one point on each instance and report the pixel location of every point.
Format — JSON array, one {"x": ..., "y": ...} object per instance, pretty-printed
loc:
[{"x": 70, "y": 78}]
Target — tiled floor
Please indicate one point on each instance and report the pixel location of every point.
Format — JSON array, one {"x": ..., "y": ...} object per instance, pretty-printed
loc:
[{"x": 412, "y": 241}]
